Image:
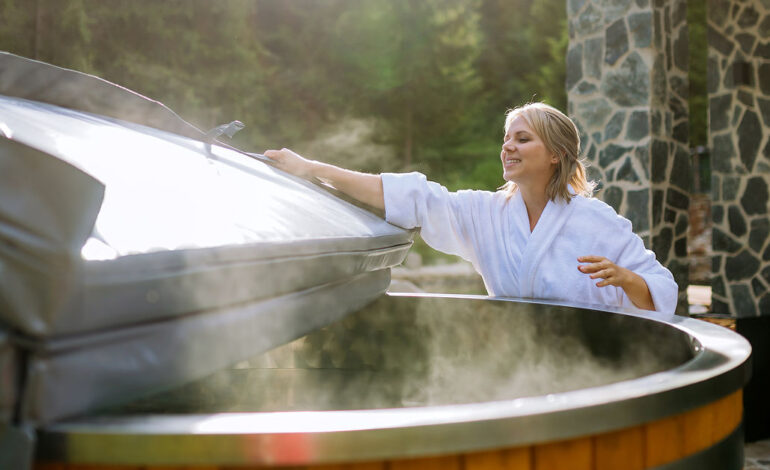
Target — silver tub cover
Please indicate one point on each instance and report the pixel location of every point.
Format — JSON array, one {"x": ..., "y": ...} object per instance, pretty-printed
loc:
[
  {"x": 47, "y": 210},
  {"x": 8, "y": 377},
  {"x": 17, "y": 445},
  {"x": 16, "y": 442},
  {"x": 26, "y": 78},
  {"x": 79, "y": 374},
  {"x": 135, "y": 256},
  {"x": 183, "y": 226}
]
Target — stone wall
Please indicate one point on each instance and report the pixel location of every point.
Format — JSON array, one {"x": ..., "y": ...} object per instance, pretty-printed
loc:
[
  {"x": 627, "y": 87},
  {"x": 739, "y": 138}
]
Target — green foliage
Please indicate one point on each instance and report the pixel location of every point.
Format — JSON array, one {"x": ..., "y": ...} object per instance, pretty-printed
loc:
[
  {"x": 412, "y": 64},
  {"x": 429, "y": 256},
  {"x": 372, "y": 84},
  {"x": 548, "y": 30},
  {"x": 522, "y": 59},
  {"x": 40, "y": 29},
  {"x": 195, "y": 56},
  {"x": 17, "y": 27}
]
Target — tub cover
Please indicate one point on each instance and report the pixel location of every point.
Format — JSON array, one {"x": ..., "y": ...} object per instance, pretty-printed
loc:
[
  {"x": 16, "y": 443},
  {"x": 26, "y": 78},
  {"x": 108, "y": 223},
  {"x": 8, "y": 377},
  {"x": 73, "y": 375},
  {"x": 136, "y": 253}
]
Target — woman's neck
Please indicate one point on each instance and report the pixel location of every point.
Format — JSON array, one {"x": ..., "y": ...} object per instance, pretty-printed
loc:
[{"x": 535, "y": 201}]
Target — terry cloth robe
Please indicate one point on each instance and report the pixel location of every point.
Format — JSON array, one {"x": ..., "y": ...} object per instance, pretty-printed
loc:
[{"x": 493, "y": 234}]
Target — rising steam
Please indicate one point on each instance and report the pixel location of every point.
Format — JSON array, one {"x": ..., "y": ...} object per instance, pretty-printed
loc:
[{"x": 404, "y": 352}]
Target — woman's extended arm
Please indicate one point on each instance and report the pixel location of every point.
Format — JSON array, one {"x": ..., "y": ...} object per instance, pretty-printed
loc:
[
  {"x": 611, "y": 274},
  {"x": 365, "y": 187}
]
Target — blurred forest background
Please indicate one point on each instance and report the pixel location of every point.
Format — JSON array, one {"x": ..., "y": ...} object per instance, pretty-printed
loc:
[
  {"x": 375, "y": 85},
  {"x": 372, "y": 84}
]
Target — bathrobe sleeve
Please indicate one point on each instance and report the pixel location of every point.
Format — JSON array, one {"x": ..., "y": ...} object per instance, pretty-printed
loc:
[
  {"x": 637, "y": 258},
  {"x": 446, "y": 218}
]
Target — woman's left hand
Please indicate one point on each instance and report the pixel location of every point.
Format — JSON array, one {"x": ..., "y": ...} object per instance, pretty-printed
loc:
[
  {"x": 600, "y": 267},
  {"x": 611, "y": 274}
]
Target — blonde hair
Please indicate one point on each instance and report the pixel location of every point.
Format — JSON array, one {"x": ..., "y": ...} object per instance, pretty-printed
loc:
[{"x": 561, "y": 138}]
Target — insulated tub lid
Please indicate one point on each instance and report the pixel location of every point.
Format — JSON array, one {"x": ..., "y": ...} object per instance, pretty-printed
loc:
[
  {"x": 9, "y": 361},
  {"x": 21, "y": 77},
  {"x": 182, "y": 225}
]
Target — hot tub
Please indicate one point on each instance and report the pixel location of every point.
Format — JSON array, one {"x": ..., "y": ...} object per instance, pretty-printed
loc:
[{"x": 438, "y": 381}]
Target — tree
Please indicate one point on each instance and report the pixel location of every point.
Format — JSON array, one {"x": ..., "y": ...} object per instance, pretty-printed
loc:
[
  {"x": 46, "y": 30},
  {"x": 548, "y": 39},
  {"x": 412, "y": 63},
  {"x": 430, "y": 79},
  {"x": 17, "y": 27}
]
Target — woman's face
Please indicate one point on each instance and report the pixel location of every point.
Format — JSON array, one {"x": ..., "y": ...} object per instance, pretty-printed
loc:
[{"x": 526, "y": 161}]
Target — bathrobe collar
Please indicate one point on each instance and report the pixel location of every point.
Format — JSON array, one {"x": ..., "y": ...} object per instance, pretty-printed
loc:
[{"x": 553, "y": 218}]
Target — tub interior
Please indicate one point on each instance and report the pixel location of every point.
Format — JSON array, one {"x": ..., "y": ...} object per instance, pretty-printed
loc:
[{"x": 425, "y": 351}]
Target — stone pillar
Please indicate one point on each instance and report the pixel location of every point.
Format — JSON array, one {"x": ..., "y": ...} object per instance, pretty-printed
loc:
[
  {"x": 627, "y": 88},
  {"x": 739, "y": 139}
]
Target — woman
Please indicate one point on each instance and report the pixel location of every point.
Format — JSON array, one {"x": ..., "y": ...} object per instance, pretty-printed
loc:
[{"x": 542, "y": 235}]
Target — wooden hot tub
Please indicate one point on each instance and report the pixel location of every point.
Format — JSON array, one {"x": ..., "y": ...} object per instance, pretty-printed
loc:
[{"x": 444, "y": 382}]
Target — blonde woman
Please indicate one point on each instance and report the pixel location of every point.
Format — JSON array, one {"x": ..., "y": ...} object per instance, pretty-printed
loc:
[{"x": 542, "y": 235}]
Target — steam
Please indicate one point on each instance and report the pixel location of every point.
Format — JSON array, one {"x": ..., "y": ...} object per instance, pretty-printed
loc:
[
  {"x": 404, "y": 352},
  {"x": 353, "y": 143}
]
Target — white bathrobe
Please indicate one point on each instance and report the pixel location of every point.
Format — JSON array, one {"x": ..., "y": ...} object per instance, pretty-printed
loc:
[{"x": 493, "y": 234}]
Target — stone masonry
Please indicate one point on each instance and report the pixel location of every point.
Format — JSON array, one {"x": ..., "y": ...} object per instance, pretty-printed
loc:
[
  {"x": 627, "y": 85},
  {"x": 739, "y": 139}
]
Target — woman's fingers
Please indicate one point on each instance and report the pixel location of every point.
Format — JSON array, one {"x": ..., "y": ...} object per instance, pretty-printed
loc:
[
  {"x": 599, "y": 267},
  {"x": 595, "y": 263},
  {"x": 604, "y": 274},
  {"x": 279, "y": 155},
  {"x": 275, "y": 155},
  {"x": 289, "y": 161},
  {"x": 590, "y": 268}
]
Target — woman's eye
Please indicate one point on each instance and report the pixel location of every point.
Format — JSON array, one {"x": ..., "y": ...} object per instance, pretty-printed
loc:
[{"x": 523, "y": 140}]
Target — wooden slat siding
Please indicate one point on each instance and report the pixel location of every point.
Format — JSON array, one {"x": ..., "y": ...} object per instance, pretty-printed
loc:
[
  {"x": 370, "y": 466},
  {"x": 722, "y": 418},
  {"x": 699, "y": 424},
  {"x": 724, "y": 414},
  {"x": 721, "y": 412},
  {"x": 645, "y": 446},
  {"x": 348, "y": 466},
  {"x": 187, "y": 467},
  {"x": 664, "y": 440},
  {"x": 728, "y": 413},
  {"x": 519, "y": 458},
  {"x": 105, "y": 467},
  {"x": 449, "y": 462},
  {"x": 574, "y": 454},
  {"x": 237, "y": 467},
  {"x": 621, "y": 449}
]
